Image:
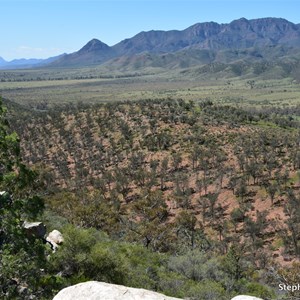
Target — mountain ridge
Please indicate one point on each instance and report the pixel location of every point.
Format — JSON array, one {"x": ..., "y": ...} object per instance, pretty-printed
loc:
[
  {"x": 258, "y": 34},
  {"x": 239, "y": 34},
  {"x": 26, "y": 63}
]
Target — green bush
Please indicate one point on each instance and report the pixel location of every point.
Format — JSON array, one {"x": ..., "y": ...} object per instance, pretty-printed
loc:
[
  {"x": 86, "y": 255},
  {"x": 207, "y": 290},
  {"x": 259, "y": 290}
]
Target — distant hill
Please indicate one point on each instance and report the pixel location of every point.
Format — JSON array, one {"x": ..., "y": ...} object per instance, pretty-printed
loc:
[
  {"x": 201, "y": 43},
  {"x": 2, "y": 61},
  {"x": 27, "y": 63},
  {"x": 94, "y": 52}
]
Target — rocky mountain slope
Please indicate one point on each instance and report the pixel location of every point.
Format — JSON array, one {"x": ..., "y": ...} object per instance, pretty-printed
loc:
[
  {"x": 265, "y": 38},
  {"x": 199, "y": 44}
]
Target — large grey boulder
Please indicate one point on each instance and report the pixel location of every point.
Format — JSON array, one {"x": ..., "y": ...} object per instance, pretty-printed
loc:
[
  {"x": 244, "y": 297},
  {"x": 94, "y": 290}
]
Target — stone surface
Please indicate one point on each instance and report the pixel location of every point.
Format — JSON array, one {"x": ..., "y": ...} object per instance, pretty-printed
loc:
[
  {"x": 94, "y": 290},
  {"x": 37, "y": 229},
  {"x": 244, "y": 297},
  {"x": 55, "y": 236}
]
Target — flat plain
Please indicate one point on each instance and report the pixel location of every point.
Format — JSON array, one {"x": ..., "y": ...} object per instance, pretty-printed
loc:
[{"x": 33, "y": 88}]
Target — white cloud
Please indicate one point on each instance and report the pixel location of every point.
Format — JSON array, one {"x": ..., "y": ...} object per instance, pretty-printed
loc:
[
  {"x": 31, "y": 49},
  {"x": 36, "y": 52}
]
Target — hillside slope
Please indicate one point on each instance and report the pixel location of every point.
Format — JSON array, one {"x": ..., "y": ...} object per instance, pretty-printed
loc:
[{"x": 230, "y": 174}]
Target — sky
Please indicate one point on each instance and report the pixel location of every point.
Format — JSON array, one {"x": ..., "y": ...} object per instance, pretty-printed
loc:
[{"x": 45, "y": 28}]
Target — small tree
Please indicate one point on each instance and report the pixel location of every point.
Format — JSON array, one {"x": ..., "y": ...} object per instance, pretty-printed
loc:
[
  {"x": 186, "y": 223},
  {"x": 233, "y": 262},
  {"x": 241, "y": 190},
  {"x": 237, "y": 216},
  {"x": 163, "y": 172},
  {"x": 272, "y": 188}
]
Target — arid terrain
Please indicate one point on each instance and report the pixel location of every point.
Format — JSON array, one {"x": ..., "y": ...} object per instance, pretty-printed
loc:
[{"x": 177, "y": 172}]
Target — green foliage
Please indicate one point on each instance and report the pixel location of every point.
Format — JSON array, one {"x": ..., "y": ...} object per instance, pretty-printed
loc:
[
  {"x": 22, "y": 256},
  {"x": 208, "y": 290},
  {"x": 83, "y": 257},
  {"x": 146, "y": 221},
  {"x": 88, "y": 254},
  {"x": 85, "y": 208},
  {"x": 233, "y": 263},
  {"x": 196, "y": 265},
  {"x": 289, "y": 276},
  {"x": 258, "y": 290},
  {"x": 292, "y": 211},
  {"x": 237, "y": 215}
]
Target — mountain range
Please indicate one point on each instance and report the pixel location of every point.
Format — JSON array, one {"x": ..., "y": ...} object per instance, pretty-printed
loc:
[
  {"x": 27, "y": 63},
  {"x": 201, "y": 43}
]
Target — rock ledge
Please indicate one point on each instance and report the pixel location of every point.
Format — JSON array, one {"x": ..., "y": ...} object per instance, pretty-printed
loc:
[
  {"x": 94, "y": 290},
  {"x": 244, "y": 297}
]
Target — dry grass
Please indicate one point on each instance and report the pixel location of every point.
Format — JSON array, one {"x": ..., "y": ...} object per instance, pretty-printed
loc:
[{"x": 235, "y": 91}]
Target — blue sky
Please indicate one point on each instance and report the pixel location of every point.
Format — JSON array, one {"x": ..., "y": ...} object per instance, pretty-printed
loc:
[{"x": 44, "y": 28}]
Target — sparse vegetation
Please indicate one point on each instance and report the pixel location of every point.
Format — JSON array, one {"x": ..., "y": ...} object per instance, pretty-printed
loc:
[
  {"x": 189, "y": 188},
  {"x": 181, "y": 182}
]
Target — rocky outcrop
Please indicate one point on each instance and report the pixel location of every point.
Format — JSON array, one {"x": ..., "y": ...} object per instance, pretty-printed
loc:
[
  {"x": 244, "y": 297},
  {"x": 94, "y": 290},
  {"x": 54, "y": 238},
  {"x": 37, "y": 229}
]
